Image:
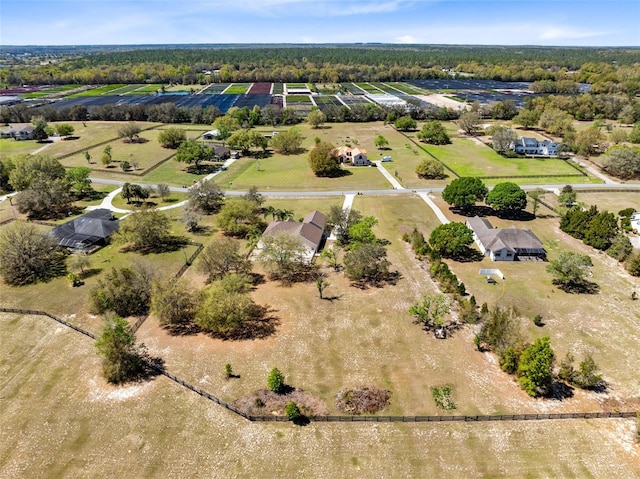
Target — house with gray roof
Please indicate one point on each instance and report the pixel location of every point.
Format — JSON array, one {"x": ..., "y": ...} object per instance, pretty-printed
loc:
[
  {"x": 87, "y": 232},
  {"x": 18, "y": 132},
  {"x": 506, "y": 244},
  {"x": 310, "y": 231}
]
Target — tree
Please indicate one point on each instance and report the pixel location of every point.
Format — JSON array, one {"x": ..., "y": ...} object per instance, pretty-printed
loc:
[
  {"x": 284, "y": 257},
  {"x": 431, "y": 169},
  {"x": 507, "y": 197},
  {"x": 556, "y": 122},
  {"x": 362, "y": 232},
  {"x": 451, "y": 239},
  {"x": 80, "y": 262},
  {"x": 620, "y": 247},
  {"x": 122, "y": 358},
  {"x": 585, "y": 377},
  {"x": 341, "y": 221},
  {"x": 292, "y": 411},
  {"x": 570, "y": 269},
  {"x": 193, "y": 152},
  {"x": 367, "y": 263},
  {"x": 434, "y": 132},
  {"x": 206, "y": 197},
  {"x": 45, "y": 198},
  {"x": 287, "y": 142},
  {"x": 634, "y": 134},
  {"x": 381, "y": 142},
  {"x": 254, "y": 195},
  {"x": 323, "y": 161},
  {"x": 527, "y": 118},
  {"x": 246, "y": 139},
  {"x": 221, "y": 257},
  {"x": 315, "y": 118},
  {"x": 130, "y": 131},
  {"x": 405, "y": 123},
  {"x": 588, "y": 142},
  {"x": 226, "y": 307},
  {"x": 146, "y": 230},
  {"x": 191, "y": 219},
  {"x": 27, "y": 170},
  {"x": 321, "y": 285},
  {"x": 430, "y": 312},
  {"x": 469, "y": 122},
  {"x": 275, "y": 381},
  {"x": 27, "y": 256},
  {"x": 106, "y": 156},
  {"x": 536, "y": 196},
  {"x": 535, "y": 367},
  {"x": 464, "y": 192},
  {"x": 618, "y": 135},
  {"x": 225, "y": 125},
  {"x": 623, "y": 162},
  {"x": 502, "y": 139},
  {"x": 567, "y": 196},
  {"x": 163, "y": 191},
  {"x": 125, "y": 291},
  {"x": 78, "y": 177},
  {"x": 64, "y": 129},
  {"x": 632, "y": 264},
  {"x": 40, "y": 128},
  {"x": 601, "y": 231},
  {"x": 240, "y": 216},
  {"x": 172, "y": 137},
  {"x": 87, "y": 156},
  {"x": 173, "y": 301}
]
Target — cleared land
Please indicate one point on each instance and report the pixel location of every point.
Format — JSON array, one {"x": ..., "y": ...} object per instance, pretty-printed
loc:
[
  {"x": 72, "y": 418},
  {"x": 11, "y": 147}
]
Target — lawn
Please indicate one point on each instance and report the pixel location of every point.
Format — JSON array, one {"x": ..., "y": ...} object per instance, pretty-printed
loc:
[
  {"x": 55, "y": 403},
  {"x": 11, "y": 147},
  {"x": 467, "y": 158},
  {"x": 298, "y": 99},
  {"x": 94, "y": 132},
  {"x": 146, "y": 154},
  {"x": 144, "y": 89},
  {"x": 302, "y": 206},
  {"x": 605, "y": 324}
]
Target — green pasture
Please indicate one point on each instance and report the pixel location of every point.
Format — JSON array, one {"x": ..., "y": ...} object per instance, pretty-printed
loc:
[
  {"x": 146, "y": 153},
  {"x": 11, "y": 147},
  {"x": 112, "y": 89}
]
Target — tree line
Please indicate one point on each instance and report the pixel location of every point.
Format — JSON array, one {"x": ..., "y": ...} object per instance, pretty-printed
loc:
[{"x": 331, "y": 64}]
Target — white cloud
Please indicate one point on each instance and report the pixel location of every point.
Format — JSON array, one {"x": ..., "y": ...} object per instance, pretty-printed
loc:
[
  {"x": 313, "y": 8},
  {"x": 563, "y": 33}
]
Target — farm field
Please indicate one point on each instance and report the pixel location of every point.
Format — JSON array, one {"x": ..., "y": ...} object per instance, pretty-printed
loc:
[
  {"x": 101, "y": 90},
  {"x": 237, "y": 89}
]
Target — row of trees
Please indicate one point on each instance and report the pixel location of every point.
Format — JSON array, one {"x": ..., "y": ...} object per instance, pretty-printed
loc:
[{"x": 465, "y": 192}]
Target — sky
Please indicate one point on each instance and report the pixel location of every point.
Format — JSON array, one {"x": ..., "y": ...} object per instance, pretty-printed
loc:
[{"x": 504, "y": 22}]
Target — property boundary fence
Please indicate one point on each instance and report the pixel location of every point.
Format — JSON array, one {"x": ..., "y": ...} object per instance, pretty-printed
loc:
[
  {"x": 477, "y": 418},
  {"x": 191, "y": 259}
]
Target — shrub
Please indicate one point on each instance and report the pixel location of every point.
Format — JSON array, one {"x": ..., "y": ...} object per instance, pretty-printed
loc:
[
  {"x": 366, "y": 399},
  {"x": 275, "y": 381},
  {"x": 292, "y": 412}
]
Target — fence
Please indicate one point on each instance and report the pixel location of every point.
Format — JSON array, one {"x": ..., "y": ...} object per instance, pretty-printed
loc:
[
  {"x": 478, "y": 418},
  {"x": 191, "y": 259},
  {"x": 503, "y": 417}
]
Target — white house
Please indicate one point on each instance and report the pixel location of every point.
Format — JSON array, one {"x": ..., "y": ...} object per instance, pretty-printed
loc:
[
  {"x": 505, "y": 244},
  {"x": 355, "y": 156},
  {"x": 635, "y": 221},
  {"x": 531, "y": 146}
]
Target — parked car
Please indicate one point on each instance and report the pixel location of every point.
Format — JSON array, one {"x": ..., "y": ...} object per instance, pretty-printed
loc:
[{"x": 385, "y": 159}]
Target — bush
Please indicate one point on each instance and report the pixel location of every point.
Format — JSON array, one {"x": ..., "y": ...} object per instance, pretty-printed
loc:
[
  {"x": 292, "y": 412},
  {"x": 275, "y": 381}
]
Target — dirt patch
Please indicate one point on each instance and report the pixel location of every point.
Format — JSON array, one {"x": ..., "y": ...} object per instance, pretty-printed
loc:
[
  {"x": 265, "y": 402},
  {"x": 366, "y": 399}
]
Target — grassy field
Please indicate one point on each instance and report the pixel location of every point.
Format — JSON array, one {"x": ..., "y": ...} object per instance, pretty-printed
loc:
[
  {"x": 11, "y": 147},
  {"x": 55, "y": 402},
  {"x": 361, "y": 337},
  {"x": 146, "y": 153},
  {"x": 469, "y": 159},
  {"x": 605, "y": 324}
]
